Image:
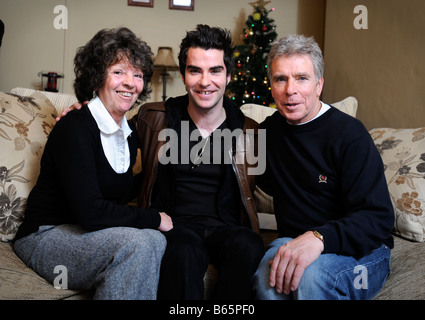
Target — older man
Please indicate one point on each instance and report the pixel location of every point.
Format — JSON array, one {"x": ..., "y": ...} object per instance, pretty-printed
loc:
[{"x": 331, "y": 199}]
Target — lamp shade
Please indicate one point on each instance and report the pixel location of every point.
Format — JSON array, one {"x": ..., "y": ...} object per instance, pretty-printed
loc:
[{"x": 165, "y": 59}]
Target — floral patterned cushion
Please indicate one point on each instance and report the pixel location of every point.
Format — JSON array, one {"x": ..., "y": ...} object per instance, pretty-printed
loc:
[
  {"x": 403, "y": 154},
  {"x": 25, "y": 123}
]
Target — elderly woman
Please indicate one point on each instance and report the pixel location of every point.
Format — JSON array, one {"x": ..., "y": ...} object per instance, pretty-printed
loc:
[{"x": 77, "y": 215}]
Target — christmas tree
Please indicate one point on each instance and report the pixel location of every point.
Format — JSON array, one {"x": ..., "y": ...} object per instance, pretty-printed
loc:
[{"x": 249, "y": 83}]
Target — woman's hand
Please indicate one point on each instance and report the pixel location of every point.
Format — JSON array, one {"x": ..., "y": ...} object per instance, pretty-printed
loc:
[{"x": 166, "y": 222}]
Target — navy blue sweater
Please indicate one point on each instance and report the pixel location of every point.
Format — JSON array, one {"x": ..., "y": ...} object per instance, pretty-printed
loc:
[
  {"x": 327, "y": 175},
  {"x": 77, "y": 185}
]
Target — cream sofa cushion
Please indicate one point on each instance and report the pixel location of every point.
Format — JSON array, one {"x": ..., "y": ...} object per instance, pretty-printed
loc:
[
  {"x": 25, "y": 123},
  {"x": 348, "y": 105},
  {"x": 403, "y": 154}
]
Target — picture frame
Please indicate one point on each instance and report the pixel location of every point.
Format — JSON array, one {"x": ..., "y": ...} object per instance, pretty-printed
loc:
[
  {"x": 188, "y": 5},
  {"x": 141, "y": 3}
]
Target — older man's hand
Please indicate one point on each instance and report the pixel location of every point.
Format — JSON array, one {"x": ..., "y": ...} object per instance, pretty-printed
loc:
[{"x": 290, "y": 261}]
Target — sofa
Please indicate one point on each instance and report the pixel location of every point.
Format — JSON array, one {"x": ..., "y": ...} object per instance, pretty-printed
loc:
[{"x": 27, "y": 116}]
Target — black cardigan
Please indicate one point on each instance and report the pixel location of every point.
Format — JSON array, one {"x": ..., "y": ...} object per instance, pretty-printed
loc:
[{"x": 77, "y": 185}]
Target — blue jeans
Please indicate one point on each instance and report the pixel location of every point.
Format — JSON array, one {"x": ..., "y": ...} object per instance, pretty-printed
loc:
[{"x": 330, "y": 277}]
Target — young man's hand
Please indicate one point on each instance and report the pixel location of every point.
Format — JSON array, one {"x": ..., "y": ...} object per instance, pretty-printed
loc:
[{"x": 65, "y": 111}]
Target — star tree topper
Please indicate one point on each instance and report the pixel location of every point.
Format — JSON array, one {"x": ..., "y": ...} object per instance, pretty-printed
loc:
[{"x": 260, "y": 4}]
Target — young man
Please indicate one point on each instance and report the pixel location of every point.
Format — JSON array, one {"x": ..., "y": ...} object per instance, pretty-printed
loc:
[
  {"x": 331, "y": 199},
  {"x": 206, "y": 191}
]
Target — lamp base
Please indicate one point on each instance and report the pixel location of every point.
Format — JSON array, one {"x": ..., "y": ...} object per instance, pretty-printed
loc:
[{"x": 164, "y": 85}]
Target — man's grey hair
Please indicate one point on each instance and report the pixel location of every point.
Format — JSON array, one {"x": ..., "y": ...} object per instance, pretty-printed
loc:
[{"x": 298, "y": 45}]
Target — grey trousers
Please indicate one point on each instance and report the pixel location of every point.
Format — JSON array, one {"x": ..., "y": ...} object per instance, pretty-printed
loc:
[{"x": 119, "y": 263}]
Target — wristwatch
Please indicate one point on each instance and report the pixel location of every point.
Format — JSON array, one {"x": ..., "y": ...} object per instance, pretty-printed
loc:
[{"x": 319, "y": 235}]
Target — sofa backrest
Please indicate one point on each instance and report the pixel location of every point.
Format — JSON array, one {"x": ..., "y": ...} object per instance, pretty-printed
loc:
[{"x": 59, "y": 100}]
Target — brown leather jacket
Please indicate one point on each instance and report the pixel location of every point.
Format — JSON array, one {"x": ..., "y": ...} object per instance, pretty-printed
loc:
[{"x": 153, "y": 117}]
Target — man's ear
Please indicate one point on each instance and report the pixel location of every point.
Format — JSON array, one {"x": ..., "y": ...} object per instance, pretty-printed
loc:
[{"x": 320, "y": 86}]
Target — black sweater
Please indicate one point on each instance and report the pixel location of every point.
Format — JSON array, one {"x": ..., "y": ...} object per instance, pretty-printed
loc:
[
  {"x": 327, "y": 175},
  {"x": 77, "y": 185}
]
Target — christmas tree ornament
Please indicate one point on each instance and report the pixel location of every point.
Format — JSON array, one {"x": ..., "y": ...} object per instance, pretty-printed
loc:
[{"x": 256, "y": 16}]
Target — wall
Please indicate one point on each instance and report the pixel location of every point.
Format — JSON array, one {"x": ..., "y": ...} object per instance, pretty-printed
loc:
[
  {"x": 32, "y": 44},
  {"x": 382, "y": 66}
]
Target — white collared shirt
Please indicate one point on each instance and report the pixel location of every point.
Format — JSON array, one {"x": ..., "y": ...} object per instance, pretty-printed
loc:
[{"x": 113, "y": 137}]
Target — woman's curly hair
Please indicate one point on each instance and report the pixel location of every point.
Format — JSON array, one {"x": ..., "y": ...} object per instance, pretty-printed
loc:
[{"x": 106, "y": 48}]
